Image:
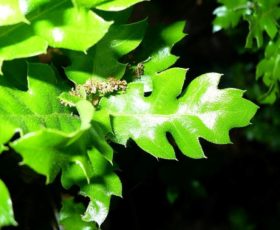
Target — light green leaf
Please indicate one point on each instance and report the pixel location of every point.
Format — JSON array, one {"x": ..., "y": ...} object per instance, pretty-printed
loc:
[
  {"x": 54, "y": 23},
  {"x": 229, "y": 14},
  {"x": 203, "y": 111},
  {"x": 27, "y": 108},
  {"x": 157, "y": 45},
  {"x": 47, "y": 151},
  {"x": 264, "y": 19},
  {"x": 12, "y": 12},
  {"x": 70, "y": 216},
  {"x": 154, "y": 54},
  {"x": 102, "y": 185},
  {"x": 269, "y": 69},
  {"x": 101, "y": 61},
  {"x": 6, "y": 208},
  {"x": 111, "y": 5}
]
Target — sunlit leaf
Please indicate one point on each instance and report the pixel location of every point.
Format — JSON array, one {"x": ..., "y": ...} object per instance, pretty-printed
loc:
[
  {"x": 12, "y": 12},
  {"x": 53, "y": 23},
  {"x": 203, "y": 111},
  {"x": 101, "y": 61},
  {"x": 111, "y": 5},
  {"x": 157, "y": 45},
  {"x": 31, "y": 104},
  {"x": 6, "y": 208},
  {"x": 155, "y": 52}
]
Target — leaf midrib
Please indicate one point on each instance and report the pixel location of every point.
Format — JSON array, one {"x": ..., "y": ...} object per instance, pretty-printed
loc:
[{"x": 167, "y": 115}]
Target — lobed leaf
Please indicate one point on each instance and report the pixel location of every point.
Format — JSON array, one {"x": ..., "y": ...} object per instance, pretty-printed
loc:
[
  {"x": 101, "y": 61},
  {"x": 52, "y": 23},
  {"x": 32, "y": 104},
  {"x": 203, "y": 111},
  {"x": 229, "y": 13},
  {"x": 70, "y": 216},
  {"x": 154, "y": 55},
  {"x": 269, "y": 69},
  {"x": 102, "y": 184},
  {"x": 263, "y": 19},
  {"x": 156, "y": 47}
]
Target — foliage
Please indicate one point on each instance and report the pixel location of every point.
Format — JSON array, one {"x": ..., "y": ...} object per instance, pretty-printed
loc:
[
  {"x": 263, "y": 21},
  {"x": 6, "y": 209},
  {"x": 61, "y": 119}
]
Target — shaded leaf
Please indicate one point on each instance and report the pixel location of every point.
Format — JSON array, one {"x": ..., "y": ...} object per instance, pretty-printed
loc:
[
  {"x": 101, "y": 61},
  {"x": 157, "y": 45},
  {"x": 269, "y": 69},
  {"x": 47, "y": 151},
  {"x": 70, "y": 216},
  {"x": 203, "y": 111},
  {"x": 102, "y": 185},
  {"x": 154, "y": 55},
  {"x": 263, "y": 19},
  {"x": 27, "y": 108},
  {"x": 229, "y": 14}
]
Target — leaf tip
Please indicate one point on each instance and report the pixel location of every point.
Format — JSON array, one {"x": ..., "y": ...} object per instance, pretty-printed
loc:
[{"x": 25, "y": 20}]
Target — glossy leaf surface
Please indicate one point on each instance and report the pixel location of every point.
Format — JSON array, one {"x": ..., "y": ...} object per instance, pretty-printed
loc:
[
  {"x": 157, "y": 45},
  {"x": 6, "y": 208},
  {"x": 53, "y": 23},
  {"x": 12, "y": 12},
  {"x": 101, "y": 61},
  {"x": 70, "y": 216},
  {"x": 203, "y": 111},
  {"x": 102, "y": 184}
]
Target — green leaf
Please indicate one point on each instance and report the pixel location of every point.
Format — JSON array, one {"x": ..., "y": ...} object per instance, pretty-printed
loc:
[
  {"x": 102, "y": 185},
  {"x": 6, "y": 208},
  {"x": 229, "y": 14},
  {"x": 101, "y": 61},
  {"x": 12, "y": 12},
  {"x": 203, "y": 111},
  {"x": 157, "y": 45},
  {"x": 47, "y": 151},
  {"x": 111, "y": 5},
  {"x": 269, "y": 69},
  {"x": 70, "y": 216},
  {"x": 53, "y": 23},
  {"x": 262, "y": 16},
  {"x": 154, "y": 54},
  {"x": 263, "y": 19},
  {"x": 32, "y": 107}
]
